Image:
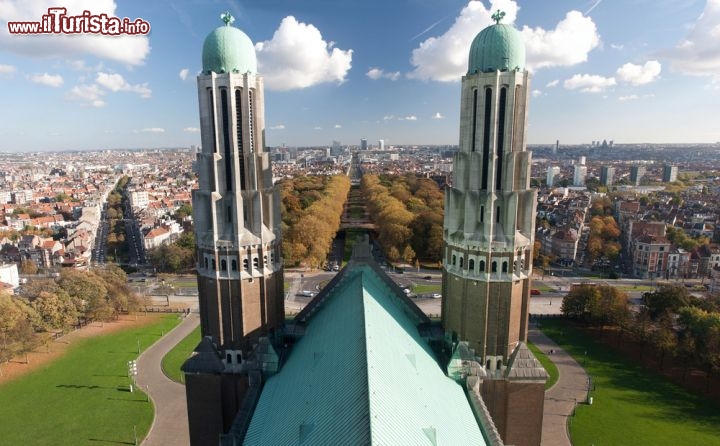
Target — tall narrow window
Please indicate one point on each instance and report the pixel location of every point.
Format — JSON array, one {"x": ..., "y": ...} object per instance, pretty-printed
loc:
[
  {"x": 500, "y": 138},
  {"x": 504, "y": 267},
  {"x": 223, "y": 265},
  {"x": 482, "y": 213},
  {"x": 474, "y": 120},
  {"x": 251, "y": 119},
  {"x": 486, "y": 137},
  {"x": 482, "y": 266},
  {"x": 229, "y": 214},
  {"x": 494, "y": 267},
  {"x": 497, "y": 215},
  {"x": 226, "y": 138},
  {"x": 234, "y": 264},
  {"x": 211, "y": 99},
  {"x": 238, "y": 132},
  {"x": 471, "y": 264},
  {"x": 461, "y": 261}
]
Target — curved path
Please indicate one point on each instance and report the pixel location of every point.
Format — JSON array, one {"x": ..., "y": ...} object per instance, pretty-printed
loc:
[
  {"x": 170, "y": 426},
  {"x": 560, "y": 399}
]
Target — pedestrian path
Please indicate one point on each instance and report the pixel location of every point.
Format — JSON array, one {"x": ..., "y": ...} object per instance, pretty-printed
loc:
[
  {"x": 170, "y": 426},
  {"x": 561, "y": 399}
]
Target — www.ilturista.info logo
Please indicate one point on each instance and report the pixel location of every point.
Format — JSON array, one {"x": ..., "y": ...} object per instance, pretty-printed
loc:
[{"x": 56, "y": 21}]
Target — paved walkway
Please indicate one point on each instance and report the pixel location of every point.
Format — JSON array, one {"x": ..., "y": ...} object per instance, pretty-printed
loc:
[
  {"x": 561, "y": 398},
  {"x": 170, "y": 426}
]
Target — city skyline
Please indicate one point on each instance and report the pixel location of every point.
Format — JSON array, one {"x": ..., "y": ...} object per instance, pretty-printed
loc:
[{"x": 367, "y": 70}]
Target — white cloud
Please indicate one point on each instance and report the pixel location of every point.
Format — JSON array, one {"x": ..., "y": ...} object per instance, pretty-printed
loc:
[
  {"x": 408, "y": 118},
  {"x": 115, "y": 82},
  {"x": 536, "y": 93},
  {"x": 277, "y": 127},
  {"x": 126, "y": 49},
  {"x": 377, "y": 73},
  {"x": 298, "y": 57},
  {"x": 552, "y": 84},
  {"x": 617, "y": 46},
  {"x": 388, "y": 117},
  {"x": 568, "y": 44},
  {"x": 639, "y": 74},
  {"x": 51, "y": 80},
  {"x": 7, "y": 69},
  {"x": 630, "y": 97},
  {"x": 698, "y": 53},
  {"x": 317, "y": 128},
  {"x": 337, "y": 126},
  {"x": 153, "y": 130},
  {"x": 191, "y": 129},
  {"x": 184, "y": 73},
  {"x": 89, "y": 95},
  {"x": 445, "y": 58},
  {"x": 589, "y": 83},
  {"x": 438, "y": 115}
]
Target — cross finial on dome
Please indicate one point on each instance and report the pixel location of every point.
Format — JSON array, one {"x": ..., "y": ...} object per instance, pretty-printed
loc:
[
  {"x": 498, "y": 16},
  {"x": 227, "y": 18}
]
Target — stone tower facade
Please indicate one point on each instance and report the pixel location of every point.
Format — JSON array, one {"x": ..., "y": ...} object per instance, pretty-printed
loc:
[
  {"x": 489, "y": 233},
  {"x": 490, "y": 208},
  {"x": 236, "y": 211}
]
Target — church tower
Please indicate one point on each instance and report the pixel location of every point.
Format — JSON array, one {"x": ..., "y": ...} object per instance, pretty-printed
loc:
[
  {"x": 236, "y": 211},
  {"x": 236, "y": 208},
  {"x": 490, "y": 209},
  {"x": 489, "y": 232}
]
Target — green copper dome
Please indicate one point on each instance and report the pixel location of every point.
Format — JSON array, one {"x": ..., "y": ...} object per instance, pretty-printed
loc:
[
  {"x": 497, "y": 47},
  {"x": 226, "y": 50}
]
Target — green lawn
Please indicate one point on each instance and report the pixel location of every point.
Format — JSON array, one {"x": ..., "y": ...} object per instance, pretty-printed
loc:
[
  {"x": 82, "y": 398},
  {"x": 642, "y": 288},
  {"x": 550, "y": 366},
  {"x": 422, "y": 289},
  {"x": 632, "y": 405},
  {"x": 175, "y": 358},
  {"x": 544, "y": 288}
]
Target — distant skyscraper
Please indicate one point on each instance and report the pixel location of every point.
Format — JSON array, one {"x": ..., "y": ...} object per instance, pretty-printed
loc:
[
  {"x": 607, "y": 174},
  {"x": 580, "y": 175},
  {"x": 557, "y": 147},
  {"x": 636, "y": 174},
  {"x": 552, "y": 173},
  {"x": 381, "y": 144},
  {"x": 236, "y": 212},
  {"x": 489, "y": 228},
  {"x": 336, "y": 148},
  {"x": 363, "y": 144},
  {"x": 669, "y": 173},
  {"x": 582, "y": 161}
]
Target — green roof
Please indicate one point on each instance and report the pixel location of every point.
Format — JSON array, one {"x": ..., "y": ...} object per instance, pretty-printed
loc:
[
  {"x": 497, "y": 47},
  {"x": 226, "y": 50},
  {"x": 362, "y": 375}
]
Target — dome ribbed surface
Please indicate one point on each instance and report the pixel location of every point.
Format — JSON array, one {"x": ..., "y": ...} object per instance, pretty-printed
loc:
[
  {"x": 497, "y": 47},
  {"x": 226, "y": 50}
]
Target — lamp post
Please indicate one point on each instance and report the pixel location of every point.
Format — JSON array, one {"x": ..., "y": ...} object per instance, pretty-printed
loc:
[{"x": 132, "y": 372}]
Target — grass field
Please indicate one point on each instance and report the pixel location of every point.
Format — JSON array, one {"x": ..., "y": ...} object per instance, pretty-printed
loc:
[
  {"x": 82, "y": 398},
  {"x": 632, "y": 405},
  {"x": 550, "y": 367},
  {"x": 422, "y": 289},
  {"x": 175, "y": 358}
]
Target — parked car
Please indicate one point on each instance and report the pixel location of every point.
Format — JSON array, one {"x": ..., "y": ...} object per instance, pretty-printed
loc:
[
  {"x": 535, "y": 292},
  {"x": 436, "y": 295}
]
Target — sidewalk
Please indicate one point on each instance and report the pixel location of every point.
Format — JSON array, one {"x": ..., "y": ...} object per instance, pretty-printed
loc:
[
  {"x": 170, "y": 426},
  {"x": 560, "y": 399}
]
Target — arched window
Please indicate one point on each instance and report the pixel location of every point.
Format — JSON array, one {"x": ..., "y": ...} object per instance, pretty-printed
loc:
[
  {"x": 233, "y": 264},
  {"x": 206, "y": 263},
  {"x": 223, "y": 265},
  {"x": 461, "y": 261},
  {"x": 265, "y": 260},
  {"x": 256, "y": 263},
  {"x": 245, "y": 265},
  {"x": 482, "y": 266},
  {"x": 494, "y": 267},
  {"x": 471, "y": 265},
  {"x": 454, "y": 260},
  {"x": 213, "y": 264},
  {"x": 504, "y": 267}
]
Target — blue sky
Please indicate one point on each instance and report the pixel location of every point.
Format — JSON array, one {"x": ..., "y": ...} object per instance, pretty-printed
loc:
[{"x": 630, "y": 71}]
